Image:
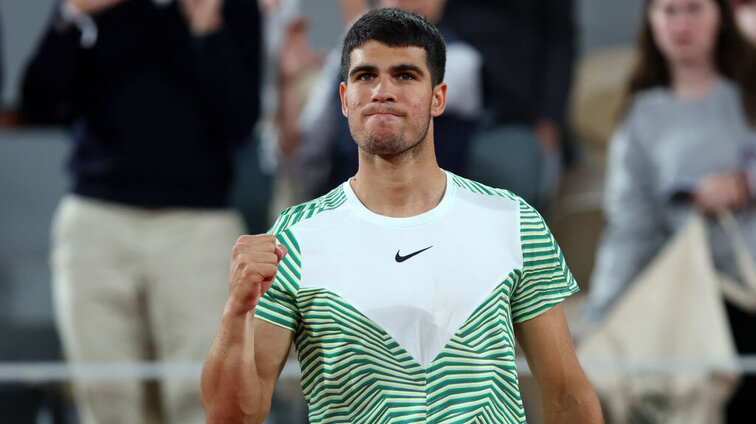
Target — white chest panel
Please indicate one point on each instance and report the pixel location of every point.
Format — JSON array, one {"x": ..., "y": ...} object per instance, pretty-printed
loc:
[{"x": 471, "y": 242}]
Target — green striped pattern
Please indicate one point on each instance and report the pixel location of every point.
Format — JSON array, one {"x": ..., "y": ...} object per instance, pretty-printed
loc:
[{"x": 354, "y": 372}]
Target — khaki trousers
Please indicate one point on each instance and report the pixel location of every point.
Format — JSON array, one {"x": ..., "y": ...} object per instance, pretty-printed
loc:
[{"x": 132, "y": 284}]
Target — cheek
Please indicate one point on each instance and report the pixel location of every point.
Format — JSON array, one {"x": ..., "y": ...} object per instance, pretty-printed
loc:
[
  {"x": 352, "y": 103},
  {"x": 661, "y": 31},
  {"x": 709, "y": 31}
]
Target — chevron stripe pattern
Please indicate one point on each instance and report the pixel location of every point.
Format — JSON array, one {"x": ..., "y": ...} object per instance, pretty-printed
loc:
[{"x": 354, "y": 372}]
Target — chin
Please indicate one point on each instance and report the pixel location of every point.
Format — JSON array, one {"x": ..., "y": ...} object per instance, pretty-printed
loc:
[{"x": 384, "y": 145}]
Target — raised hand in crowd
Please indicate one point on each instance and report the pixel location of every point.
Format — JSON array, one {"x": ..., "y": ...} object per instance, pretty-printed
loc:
[
  {"x": 203, "y": 16},
  {"x": 745, "y": 14},
  {"x": 90, "y": 7},
  {"x": 296, "y": 58}
]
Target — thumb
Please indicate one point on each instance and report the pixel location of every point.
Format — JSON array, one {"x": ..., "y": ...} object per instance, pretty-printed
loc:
[{"x": 281, "y": 251}]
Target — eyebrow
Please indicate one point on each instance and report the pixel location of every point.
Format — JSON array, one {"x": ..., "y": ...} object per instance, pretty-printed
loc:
[
  {"x": 363, "y": 68},
  {"x": 406, "y": 67},
  {"x": 393, "y": 69}
]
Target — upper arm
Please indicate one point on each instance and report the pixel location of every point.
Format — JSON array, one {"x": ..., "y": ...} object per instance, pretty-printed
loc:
[
  {"x": 272, "y": 344},
  {"x": 546, "y": 280},
  {"x": 635, "y": 229},
  {"x": 547, "y": 345}
]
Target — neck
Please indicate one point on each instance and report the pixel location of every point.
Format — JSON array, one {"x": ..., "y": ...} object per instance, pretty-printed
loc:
[
  {"x": 400, "y": 185},
  {"x": 691, "y": 80}
]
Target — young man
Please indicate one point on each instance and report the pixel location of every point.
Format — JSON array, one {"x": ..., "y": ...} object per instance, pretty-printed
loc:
[{"x": 404, "y": 287}]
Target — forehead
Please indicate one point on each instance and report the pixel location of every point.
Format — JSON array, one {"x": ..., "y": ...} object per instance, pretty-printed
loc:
[{"x": 375, "y": 53}]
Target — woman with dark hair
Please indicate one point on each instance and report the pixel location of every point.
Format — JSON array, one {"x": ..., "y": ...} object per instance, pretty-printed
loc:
[{"x": 686, "y": 143}]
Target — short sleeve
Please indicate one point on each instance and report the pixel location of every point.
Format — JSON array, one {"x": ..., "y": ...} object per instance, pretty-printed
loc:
[
  {"x": 279, "y": 304},
  {"x": 545, "y": 280}
]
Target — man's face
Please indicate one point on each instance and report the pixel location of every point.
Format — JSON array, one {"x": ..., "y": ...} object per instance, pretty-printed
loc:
[{"x": 388, "y": 98}]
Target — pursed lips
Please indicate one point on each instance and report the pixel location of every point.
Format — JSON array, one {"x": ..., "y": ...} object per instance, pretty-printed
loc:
[{"x": 384, "y": 113}]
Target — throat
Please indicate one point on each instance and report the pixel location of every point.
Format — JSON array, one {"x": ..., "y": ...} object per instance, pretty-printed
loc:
[{"x": 400, "y": 196}]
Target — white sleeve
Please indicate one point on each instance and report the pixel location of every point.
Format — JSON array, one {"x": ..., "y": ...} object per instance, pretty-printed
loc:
[{"x": 463, "y": 75}]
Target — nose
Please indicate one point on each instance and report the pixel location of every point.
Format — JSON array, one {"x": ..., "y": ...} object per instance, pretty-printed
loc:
[
  {"x": 682, "y": 20},
  {"x": 383, "y": 92}
]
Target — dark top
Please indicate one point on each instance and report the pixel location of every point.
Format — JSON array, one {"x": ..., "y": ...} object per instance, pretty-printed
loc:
[
  {"x": 154, "y": 111},
  {"x": 528, "y": 51}
]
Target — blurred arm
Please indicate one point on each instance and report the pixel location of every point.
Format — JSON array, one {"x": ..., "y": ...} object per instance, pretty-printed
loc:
[
  {"x": 635, "y": 229},
  {"x": 352, "y": 9},
  {"x": 464, "y": 76},
  {"x": 227, "y": 66},
  {"x": 48, "y": 87},
  {"x": 558, "y": 29}
]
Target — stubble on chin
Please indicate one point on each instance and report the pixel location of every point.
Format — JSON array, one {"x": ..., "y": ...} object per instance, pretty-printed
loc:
[{"x": 396, "y": 143}]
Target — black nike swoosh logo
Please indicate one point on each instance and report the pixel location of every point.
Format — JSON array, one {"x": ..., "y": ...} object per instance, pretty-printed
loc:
[{"x": 400, "y": 258}]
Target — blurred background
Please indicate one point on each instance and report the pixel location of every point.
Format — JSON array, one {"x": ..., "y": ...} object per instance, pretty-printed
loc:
[{"x": 271, "y": 167}]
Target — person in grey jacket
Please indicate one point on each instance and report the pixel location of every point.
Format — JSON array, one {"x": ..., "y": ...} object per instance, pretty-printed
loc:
[{"x": 687, "y": 144}]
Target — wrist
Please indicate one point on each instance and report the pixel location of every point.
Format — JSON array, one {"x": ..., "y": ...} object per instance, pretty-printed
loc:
[
  {"x": 206, "y": 26},
  {"x": 235, "y": 309}
]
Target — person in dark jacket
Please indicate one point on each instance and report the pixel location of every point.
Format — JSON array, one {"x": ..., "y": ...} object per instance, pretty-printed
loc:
[
  {"x": 158, "y": 94},
  {"x": 528, "y": 49}
]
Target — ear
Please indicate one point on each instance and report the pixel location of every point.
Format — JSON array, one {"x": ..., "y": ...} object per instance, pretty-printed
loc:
[
  {"x": 438, "y": 103},
  {"x": 342, "y": 95}
]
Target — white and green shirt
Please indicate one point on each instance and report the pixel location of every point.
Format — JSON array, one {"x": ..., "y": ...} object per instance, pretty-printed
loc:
[{"x": 409, "y": 320}]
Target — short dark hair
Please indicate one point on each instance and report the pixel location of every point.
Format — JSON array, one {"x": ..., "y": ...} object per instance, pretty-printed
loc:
[{"x": 397, "y": 28}]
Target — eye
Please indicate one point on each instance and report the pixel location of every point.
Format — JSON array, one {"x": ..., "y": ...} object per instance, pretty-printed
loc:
[
  {"x": 668, "y": 10},
  {"x": 405, "y": 76},
  {"x": 694, "y": 8},
  {"x": 365, "y": 76}
]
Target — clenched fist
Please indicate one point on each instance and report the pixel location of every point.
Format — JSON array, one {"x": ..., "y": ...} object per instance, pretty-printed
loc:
[
  {"x": 254, "y": 264},
  {"x": 203, "y": 16}
]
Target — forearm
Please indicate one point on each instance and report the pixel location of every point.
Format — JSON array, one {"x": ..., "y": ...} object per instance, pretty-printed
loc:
[
  {"x": 289, "y": 108},
  {"x": 558, "y": 55},
  {"x": 226, "y": 64},
  {"x": 580, "y": 405},
  {"x": 229, "y": 85},
  {"x": 232, "y": 390}
]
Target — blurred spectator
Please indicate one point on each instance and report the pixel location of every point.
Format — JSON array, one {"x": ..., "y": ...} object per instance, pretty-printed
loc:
[
  {"x": 528, "y": 52},
  {"x": 745, "y": 14},
  {"x": 687, "y": 143},
  {"x": 2, "y": 74},
  {"x": 288, "y": 48},
  {"x": 316, "y": 149},
  {"x": 158, "y": 94}
]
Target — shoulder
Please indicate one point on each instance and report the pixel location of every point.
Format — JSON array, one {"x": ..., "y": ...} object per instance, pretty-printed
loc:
[
  {"x": 304, "y": 211},
  {"x": 729, "y": 93},
  {"x": 504, "y": 199},
  {"x": 474, "y": 187}
]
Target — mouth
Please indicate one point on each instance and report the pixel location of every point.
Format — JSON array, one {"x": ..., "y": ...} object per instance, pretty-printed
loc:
[
  {"x": 383, "y": 113},
  {"x": 682, "y": 41}
]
